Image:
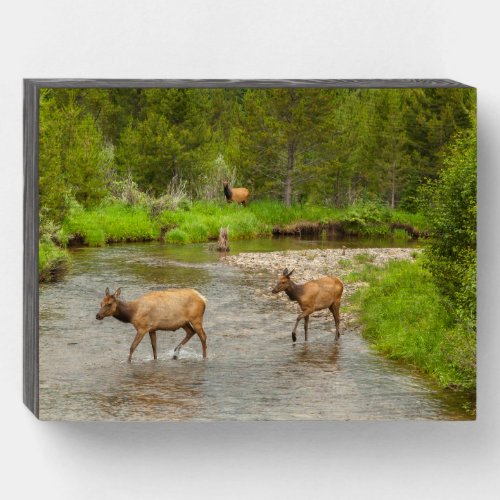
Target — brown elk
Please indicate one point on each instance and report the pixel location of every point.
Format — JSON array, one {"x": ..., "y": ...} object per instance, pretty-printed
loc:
[
  {"x": 315, "y": 295},
  {"x": 162, "y": 310},
  {"x": 238, "y": 195}
]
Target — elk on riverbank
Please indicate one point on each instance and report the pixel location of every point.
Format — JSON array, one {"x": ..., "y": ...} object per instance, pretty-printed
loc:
[
  {"x": 315, "y": 295},
  {"x": 238, "y": 195},
  {"x": 162, "y": 310}
]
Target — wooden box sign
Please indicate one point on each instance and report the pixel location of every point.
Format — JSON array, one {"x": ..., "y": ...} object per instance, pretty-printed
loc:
[{"x": 200, "y": 250}]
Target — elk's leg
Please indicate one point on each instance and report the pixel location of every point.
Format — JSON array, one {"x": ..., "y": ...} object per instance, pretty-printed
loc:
[
  {"x": 299, "y": 317},
  {"x": 335, "y": 308},
  {"x": 198, "y": 327},
  {"x": 306, "y": 326},
  {"x": 152, "y": 336},
  {"x": 139, "y": 336},
  {"x": 189, "y": 333}
]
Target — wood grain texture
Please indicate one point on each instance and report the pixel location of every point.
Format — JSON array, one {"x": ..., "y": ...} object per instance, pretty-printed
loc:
[
  {"x": 31, "y": 114},
  {"x": 30, "y": 276},
  {"x": 228, "y": 83}
]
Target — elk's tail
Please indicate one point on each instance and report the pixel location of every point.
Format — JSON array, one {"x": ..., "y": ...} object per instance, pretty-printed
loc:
[{"x": 201, "y": 297}]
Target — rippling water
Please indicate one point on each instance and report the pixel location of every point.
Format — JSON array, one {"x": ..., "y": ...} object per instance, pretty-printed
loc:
[{"x": 253, "y": 371}]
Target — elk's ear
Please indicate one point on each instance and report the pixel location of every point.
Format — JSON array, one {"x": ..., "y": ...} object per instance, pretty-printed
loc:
[
  {"x": 285, "y": 271},
  {"x": 117, "y": 292},
  {"x": 107, "y": 292},
  {"x": 290, "y": 273}
]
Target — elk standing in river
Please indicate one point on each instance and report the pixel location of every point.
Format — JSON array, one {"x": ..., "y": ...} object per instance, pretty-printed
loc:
[
  {"x": 238, "y": 195},
  {"x": 315, "y": 295},
  {"x": 163, "y": 310}
]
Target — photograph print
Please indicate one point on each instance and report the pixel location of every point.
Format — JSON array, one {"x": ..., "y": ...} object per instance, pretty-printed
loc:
[{"x": 256, "y": 252}]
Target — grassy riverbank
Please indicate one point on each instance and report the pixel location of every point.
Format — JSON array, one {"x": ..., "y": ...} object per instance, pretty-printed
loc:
[
  {"x": 200, "y": 221},
  {"x": 52, "y": 261},
  {"x": 405, "y": 318},
  {"x": 112, "y": 223}
]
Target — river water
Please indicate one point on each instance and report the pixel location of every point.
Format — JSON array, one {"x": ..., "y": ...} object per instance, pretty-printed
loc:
[{"x": 253, "y": 371}]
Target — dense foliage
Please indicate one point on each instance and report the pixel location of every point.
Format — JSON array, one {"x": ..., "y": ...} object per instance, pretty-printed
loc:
[
  {"x": 451, "y": 207},
  {"x": 323, "y": 146}
]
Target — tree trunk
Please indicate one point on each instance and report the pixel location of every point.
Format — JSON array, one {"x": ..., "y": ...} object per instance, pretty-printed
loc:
[
  {"x": 223, "y": 242},
  {"x": 289, "y": 172},
  {"x": 393, "y": 186},
  {"x": 337, "y": 189}
]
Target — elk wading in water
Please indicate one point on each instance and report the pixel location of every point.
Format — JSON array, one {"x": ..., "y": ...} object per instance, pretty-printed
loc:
[
  {"x": 163, "y": 310},
  {"x": 312, "y": 296}
]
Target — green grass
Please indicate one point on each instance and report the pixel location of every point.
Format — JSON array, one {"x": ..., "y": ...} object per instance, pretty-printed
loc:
[
  {"x": 345, "y": 263},
  {"x": 418, "y": 220},
  {"x": 109, "y": 224},
  {"x": 204, "y": 220},
  {"x": 201, "y": 221},
  {"x": 274, "y": 213},
  {"x": 52, "y": 261},
  {"x": 404, "y": 318},
  {"x": 363, "y": 258}
]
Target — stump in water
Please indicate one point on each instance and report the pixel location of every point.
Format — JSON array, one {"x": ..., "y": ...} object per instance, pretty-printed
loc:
[{"x": 223, "y": 241}]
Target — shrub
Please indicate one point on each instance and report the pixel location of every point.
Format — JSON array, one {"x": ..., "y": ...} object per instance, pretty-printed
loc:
[
  {"x": 451, "y": 206},
  {"x": 209, "y": 185},
  {"x": 52, "y": 261},
  {"x": 128, "y": 193},
  {"x": 368, "y": 218}
]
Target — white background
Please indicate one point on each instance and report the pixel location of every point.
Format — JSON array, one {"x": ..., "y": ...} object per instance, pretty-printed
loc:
[{"x": 247, "y": 39}]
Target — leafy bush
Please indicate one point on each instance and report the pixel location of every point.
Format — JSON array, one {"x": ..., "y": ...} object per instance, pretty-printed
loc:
[
  {"x": 128, "y": 193},
  {"x": 175, "y": 196},
  {"x": 369, "y": 218},
  {"x": 52, "y": 261},
  {"x": 451, "y": 206}
]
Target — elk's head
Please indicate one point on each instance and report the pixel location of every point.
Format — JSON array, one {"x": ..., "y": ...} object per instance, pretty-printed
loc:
[
  {"x": 108, "y": 304},
  {"x": 284, "y": 281}
]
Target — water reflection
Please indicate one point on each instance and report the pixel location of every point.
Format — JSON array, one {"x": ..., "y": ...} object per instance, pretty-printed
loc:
[
  {"x": 146, "y": 390},
  {"x": 318, "y": 355},
  {"x": 253, "y": 371}
]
